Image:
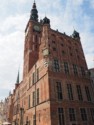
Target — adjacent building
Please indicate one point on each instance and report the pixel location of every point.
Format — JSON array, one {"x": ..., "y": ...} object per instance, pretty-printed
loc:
[
  {"x": 3, "y": 117},
  {"x": 1, "y": 112},
  {"x": 92, "y": 74},
  {"x": 56, "y": 87}
]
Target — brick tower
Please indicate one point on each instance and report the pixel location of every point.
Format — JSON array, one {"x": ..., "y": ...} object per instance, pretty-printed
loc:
[{"x": 56, "y": 88}]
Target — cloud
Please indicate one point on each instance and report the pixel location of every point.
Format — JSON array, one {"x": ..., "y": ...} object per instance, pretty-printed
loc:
[
  {"x": 13, "y": 23},
  {"x": 77, "y": 2},
  {"x": 92, "y": 3},
  {"x": 11, "y": 55},
  {"x": 11, "y": 50}
]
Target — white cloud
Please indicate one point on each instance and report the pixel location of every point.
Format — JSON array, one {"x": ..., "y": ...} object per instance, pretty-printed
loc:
[
  {"x": 11, "y": 49},
  {"x": 77, "y": 2},
  {"x": 13, "y": 23},
  {"x": 92, "y": 3}
]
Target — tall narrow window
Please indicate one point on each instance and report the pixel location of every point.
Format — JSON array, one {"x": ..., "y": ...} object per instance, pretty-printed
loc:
[
  {"x": 79, "y": 92},
  {"x": 39, "y": 117},
  {"x": 33, "y": 99},
  {"x": 37, "y": 74},
  {"x": 72, "y": 114},
  {"x": 59, "y": 90},
  {"x": 33, "y": 78},
  {"x": 29, "y": 82},
  {"x": 34, "y": 120},
  {"x": 37, "y": 96},
  {"x": 36, "y": 38},
  {"x": 66, "y": 68},
  {"x": 83, "y": 114},
  {"x": 61, "y": 116},
  {"x": 87, "y": 93},
  {"x": 92, "y": 113},
  {"x": 70, "y": 94},
  {"x": 28, "y": 122},
  {"x": 33, "y": 38},
  {"x": 75, "y": 69},
  {"x": 56, "y": 65},
  {"x": 82, "y": 71},
  {"x": 29, "y": 101}
]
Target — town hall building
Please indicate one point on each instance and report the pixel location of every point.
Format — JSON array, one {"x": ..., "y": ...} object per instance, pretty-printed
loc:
[{"x": 56, "y": 86}]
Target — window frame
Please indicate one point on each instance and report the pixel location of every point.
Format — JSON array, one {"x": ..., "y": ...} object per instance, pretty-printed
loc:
[
  {"x": 72, "y": 114},
  {"x": 79, "y": 92},
  {"x": 56, "y": 65},
  {"x": 59, "y": 90},
  {"x": 83, "y": 114},
  {"x": 66, "y": 68},
  {"x": 87, "y": 91},
  {"x": 75, "y": 69},
  {"x": 70, "y": 91},
  {"x": 61, "y": 119}
]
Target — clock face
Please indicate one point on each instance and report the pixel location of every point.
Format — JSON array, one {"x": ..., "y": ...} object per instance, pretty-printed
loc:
[
  {"x": 36, "y": 28},
  {"x": 45, "y": 52}
]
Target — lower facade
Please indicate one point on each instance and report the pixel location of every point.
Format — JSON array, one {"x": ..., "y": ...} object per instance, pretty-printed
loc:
[{"x": 60, "y": 113}]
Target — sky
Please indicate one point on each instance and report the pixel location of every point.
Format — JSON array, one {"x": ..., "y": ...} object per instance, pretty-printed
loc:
[{"x": 65, "y": 15}]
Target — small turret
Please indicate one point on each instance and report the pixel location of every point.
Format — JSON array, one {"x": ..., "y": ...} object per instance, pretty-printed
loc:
[
  {"x": 75, "y": 34},
  {"x": 46, "y": 21}
]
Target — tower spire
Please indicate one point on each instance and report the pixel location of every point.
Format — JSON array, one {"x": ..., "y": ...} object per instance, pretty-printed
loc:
[
  {"x": 34, "y": 1},
  {"x": 34, "y": 4},
  {"x": 17, "y": 81},
  {"x": 34, "y": 12}
]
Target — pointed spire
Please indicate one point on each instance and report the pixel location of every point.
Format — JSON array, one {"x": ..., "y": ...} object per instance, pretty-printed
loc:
[
  {"x": 34, "y": 13},
  {"x": 34, "y": 5},
  {"x": 17, "y": 81}
]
